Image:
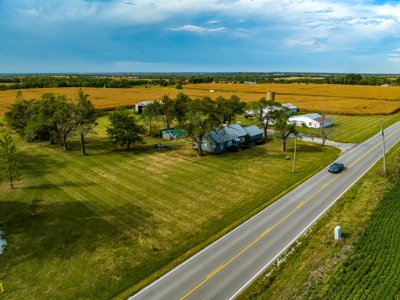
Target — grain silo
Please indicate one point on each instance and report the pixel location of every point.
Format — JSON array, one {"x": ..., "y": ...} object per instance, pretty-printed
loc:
[{"x": 271, "y": 96}]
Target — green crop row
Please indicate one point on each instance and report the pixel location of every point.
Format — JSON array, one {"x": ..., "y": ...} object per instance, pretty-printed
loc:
[{"x": 372, "y": 270}]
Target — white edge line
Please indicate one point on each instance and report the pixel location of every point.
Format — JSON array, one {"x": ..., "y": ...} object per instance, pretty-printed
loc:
[
  {"x": 302, "y": 232},
  {"x": 262, "y": 211}
]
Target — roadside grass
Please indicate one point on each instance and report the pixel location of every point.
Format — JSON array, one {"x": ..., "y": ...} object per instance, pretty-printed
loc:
[
  {"x": 111, "y": 222},
  {"x": 316, "y": 256}
]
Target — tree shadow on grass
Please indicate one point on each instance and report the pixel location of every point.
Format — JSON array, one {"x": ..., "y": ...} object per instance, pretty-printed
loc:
[
  {"x": 51, "y": 186},
  {"x": 38, "y": 164},
  {"x": 66, "y": 229}
]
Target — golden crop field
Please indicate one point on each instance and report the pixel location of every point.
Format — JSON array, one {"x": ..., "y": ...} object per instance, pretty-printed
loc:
[{"x": 336, "y": 99}]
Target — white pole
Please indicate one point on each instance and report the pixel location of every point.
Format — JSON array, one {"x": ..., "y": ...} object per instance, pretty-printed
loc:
[
  {"x": 384, "y": 151},
  {"x": 294, "y": 156}
]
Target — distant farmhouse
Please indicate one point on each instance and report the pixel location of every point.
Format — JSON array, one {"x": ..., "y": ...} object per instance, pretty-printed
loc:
[
  {"x": 288, "y": 107},
  {"x": 139, "y": 106},
  {"x": 311, "y": 121}
]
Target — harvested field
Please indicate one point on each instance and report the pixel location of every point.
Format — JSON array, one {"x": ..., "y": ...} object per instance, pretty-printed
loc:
[{"x": 335, "y": 99}]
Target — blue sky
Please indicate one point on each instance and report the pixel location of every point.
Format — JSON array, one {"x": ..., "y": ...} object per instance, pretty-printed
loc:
[{"x": 358, "y": 36}]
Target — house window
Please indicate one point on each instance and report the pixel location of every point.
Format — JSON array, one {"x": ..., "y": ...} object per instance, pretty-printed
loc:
[
  {"x": 229, "y": 143},
  {"x": 221, "y": 146},
  {"x": 310, "y": 124}
]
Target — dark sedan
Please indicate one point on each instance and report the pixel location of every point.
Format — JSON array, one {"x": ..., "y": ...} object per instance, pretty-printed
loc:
[{"x": 336, "y": 167}]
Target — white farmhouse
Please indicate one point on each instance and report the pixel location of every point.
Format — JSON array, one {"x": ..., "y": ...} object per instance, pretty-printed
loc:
[{"x": 311, "y": 121}]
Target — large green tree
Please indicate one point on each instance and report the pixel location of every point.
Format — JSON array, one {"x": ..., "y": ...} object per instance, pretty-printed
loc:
[
  {"x": 9, "y": 160},
  {"x": 41, "y": 124},
  {"x": 199, "y": 120},
  {"x": 64, "y": 119},
  {"x": 151, "y": 113},
  {"x": 85, "y": 116},
  {"x": 283, "y": 128},
  {"x": 167, "y": 111},
  {"x": 181, "y": 106},
  {"x": 226, "y": 110},
  {"x": 124, "y": 129},
  {"x": 265, "y": 111},
  {"x": 17, "y": 117},
  {"x": 52, "y": 118}
]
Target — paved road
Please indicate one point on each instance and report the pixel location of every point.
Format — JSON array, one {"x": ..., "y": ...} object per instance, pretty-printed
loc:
[{"x": 226, "y": 267}]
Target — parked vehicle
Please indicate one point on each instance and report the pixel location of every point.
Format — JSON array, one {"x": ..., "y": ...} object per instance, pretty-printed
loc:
[{"x": 336, "y": 167}]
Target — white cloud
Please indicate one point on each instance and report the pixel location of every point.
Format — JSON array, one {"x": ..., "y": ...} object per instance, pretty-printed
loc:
[
  {"x": 395, "y": 59},
  {"x": 394, "y": 54},
  {"x": 339, "y": 23},
  {"x": 198, "y": 29},
  {"x": 299, "y": 42}
]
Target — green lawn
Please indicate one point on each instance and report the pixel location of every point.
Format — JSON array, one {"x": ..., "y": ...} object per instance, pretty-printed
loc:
[
  {"x": 112, "y": 221},
  {"x": 356, "y": 129},
  {"x": 349, "y": 129}
]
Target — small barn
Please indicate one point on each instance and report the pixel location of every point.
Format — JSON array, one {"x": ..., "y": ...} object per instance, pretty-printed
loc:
[
  {"x": 254, "y": 132},
  {"x": 311, "y": 120},
  {"x": 139, "y": 106}
]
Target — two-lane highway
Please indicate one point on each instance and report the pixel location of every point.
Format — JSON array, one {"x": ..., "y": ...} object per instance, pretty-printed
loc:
[{"x": 225, "y": 268}]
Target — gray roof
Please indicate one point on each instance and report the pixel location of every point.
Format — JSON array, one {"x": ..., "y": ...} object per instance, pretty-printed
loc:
[
  {"x": 221, "y": 136},
  {"x": 253, "y": 130},
  {"x": 236, "y": 130},
  {"x": 289, "y": 105}
]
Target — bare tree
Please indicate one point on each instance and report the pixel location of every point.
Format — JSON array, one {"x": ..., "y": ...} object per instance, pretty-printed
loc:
[
  {"x": 325, "y": 131},
  {"x": 283, "y": 128}
]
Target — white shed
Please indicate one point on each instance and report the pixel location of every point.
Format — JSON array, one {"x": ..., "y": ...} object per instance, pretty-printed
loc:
[{"x": 311, "y": 120}]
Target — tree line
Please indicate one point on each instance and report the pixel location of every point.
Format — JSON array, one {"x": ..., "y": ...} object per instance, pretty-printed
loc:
[
  {"x": 109, "y": 81},
  {"x": 54, "y": 118},
  {"x": 73, "y": 81}
]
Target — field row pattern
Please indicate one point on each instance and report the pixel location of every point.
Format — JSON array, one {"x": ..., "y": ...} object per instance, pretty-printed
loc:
[
  {"x": 334, "y": 99},
  {"x": 372, "y": 270}
]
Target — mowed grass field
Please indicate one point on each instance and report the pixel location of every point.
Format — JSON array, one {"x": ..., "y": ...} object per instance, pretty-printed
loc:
[
  {"x": 335, "y": 99},
  {"x": 112, "y": 221}
]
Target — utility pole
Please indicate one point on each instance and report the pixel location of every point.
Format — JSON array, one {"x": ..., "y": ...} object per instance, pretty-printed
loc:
[
  {"x": 294, "y": 156},
  {"x": 384, "y": 151}
]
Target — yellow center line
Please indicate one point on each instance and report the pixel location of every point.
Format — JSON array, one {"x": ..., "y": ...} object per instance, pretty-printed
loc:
[
  {"x": 283, "y": 219},
  {"x": 215, "y": 271},
  {"x": 300, "y": 205},
  {"x": 265, "y": 232}
]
